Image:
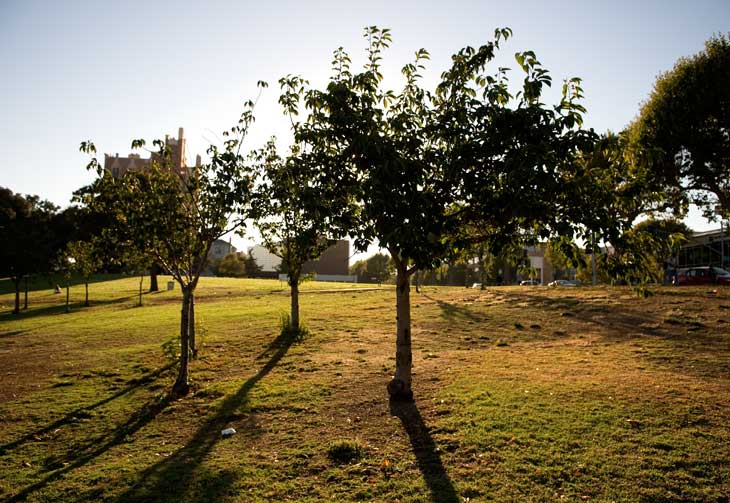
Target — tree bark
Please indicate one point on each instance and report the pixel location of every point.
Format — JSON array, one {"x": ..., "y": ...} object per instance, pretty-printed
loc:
[
  {"x": 16, "y": 308},
  {"x": 25, "y": 303},
  {"x": 86, "y": 298},
  {"x": 141, "y": 279},
  {"x": 154, "y": 270},
  {"x": 399, "y": 387},
  {"x": 294, "y": 321},
  {"x": 191, "y": 326},
  {"x": 482, "y": 272},
  {"x": 181, "y": 386}
]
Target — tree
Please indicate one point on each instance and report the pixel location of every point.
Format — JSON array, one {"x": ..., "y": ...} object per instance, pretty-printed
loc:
[
  {"x": 649, "y": 245},
  {"x": 232, "y": 265},
  {"x": 616, "y": 188},
  {"x": 253, "y": 269},
  {"x": 87, "y": 261},
  {"x": 374, "y": 269},
  {"x": 683, "y": 129},
  {"x": 28, "y": 241},
  {"x": 424, "y": 166},
  {"x": 300, "y": 209},
  {"x": 292, "y": 216},
  {"x": 174, "y": 218},
  {"x": 135, "y": 261}
]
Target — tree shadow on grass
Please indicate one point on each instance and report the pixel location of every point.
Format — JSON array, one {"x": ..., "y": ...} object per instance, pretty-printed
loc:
[
  {"x": 95, "y": 447},
  {"x": 12, "y": 333},
  {"x": 171, "y": 479},
  {"x": 428, "y": 458},
  {"x": 451, "y": 311},
  {"x": 74, "y": 414},
  {"x": 41, "y": 282},
  {"x": 677, "y": 342},
  {"x": 60, "y": 308}
]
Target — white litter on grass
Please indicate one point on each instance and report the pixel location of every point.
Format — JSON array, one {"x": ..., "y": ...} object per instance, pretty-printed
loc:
[{"x": 228, "y": 432}]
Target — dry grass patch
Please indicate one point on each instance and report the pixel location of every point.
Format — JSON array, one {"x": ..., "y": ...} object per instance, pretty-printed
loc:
[{"x": 595, "y": 396}]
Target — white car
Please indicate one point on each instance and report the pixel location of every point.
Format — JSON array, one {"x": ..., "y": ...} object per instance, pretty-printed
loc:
[{"x": 563, "y": 282}]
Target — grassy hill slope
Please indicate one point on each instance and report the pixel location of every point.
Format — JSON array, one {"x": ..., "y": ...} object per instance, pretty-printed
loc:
[{"x": 522, "y": 394}]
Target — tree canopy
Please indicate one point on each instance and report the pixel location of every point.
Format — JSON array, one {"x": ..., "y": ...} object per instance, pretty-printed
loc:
[
  {"x": 300, "y": 209},
  {"x": 432, "y": 172},
  {"x": 29, "y": 238},
  {"x": 173, "y": 218},
  {"x": 684, "y": 127}
]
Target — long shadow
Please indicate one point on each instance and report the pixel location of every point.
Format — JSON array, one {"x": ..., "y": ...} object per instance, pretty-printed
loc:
[
  {"x": 429, "y": 461},
  {"x": 12, "y": 333},
  {"x": 450, "y": 311},
  {"x": 40, "y": 283},
  {"x": 60, "y": 308},
  {"x": 96, "y": 446},
  {"x": 171, "y": 478},
  {"x": 72, "y": 416},
  {"x": 615, "y": 320},
  {"x": 619, "y": 324}
]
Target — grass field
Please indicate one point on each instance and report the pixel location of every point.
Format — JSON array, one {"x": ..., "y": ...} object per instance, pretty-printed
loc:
[{"x": 522, "y": 394}]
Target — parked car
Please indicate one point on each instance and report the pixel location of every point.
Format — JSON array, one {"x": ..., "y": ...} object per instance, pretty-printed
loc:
[
  {"x": 703, "y": 276},
  {"x": 563, "y": 282},
  {"x": 529, "y": 282}
]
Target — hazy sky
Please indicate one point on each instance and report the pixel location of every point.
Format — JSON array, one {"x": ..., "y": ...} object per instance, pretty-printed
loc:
[{"x": 114, "y": 71}]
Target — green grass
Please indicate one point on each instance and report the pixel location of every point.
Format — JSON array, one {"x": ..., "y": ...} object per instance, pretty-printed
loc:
[{"x": 522, "y": 394}]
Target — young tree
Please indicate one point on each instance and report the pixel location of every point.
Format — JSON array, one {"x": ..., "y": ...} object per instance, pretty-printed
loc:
[
  {"x": 374, "y": 269},
  {"x": 135, "y": 261},
  {"x": 232, "y": 265},
  {"x": 423, "y": 167},
  {"x": 174, "y": 218},
  {"x": 87, "y": 261},
  {"x": 300, "y": 209},
  {"x": 253, "y": 269},
  {"x": 682, "y": 129}
]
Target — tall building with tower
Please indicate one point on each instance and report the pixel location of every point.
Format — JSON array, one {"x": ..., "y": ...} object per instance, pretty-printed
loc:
[{"x": 118, "y": 166}]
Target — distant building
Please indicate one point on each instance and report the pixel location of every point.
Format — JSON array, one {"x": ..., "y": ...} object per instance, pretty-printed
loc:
[
  {"x": 333, "y": 265},
  {"x": 118, "y": 166},
  {"x": 220, "y": 249},
  {"x": 335, "y": 261},
  {"x": 267, "y": 261},
  {"x": 707, "y": 248}
]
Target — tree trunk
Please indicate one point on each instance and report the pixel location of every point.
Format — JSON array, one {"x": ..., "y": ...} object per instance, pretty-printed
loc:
[
  {"x": 400, "y": 387},
  {"x": 191, "y": 326},
  {"x": 141, "y": 279},
  {"x": 86, "y": 298},
  {"x": 181, "y": 386},
  {"x": 16, "y": 309},
  {"x": 294, "y": 321},
  {"x": 154, "y": 270},
  {"x": 25, "y": 303},
  {"x": 482, "y": 272}
]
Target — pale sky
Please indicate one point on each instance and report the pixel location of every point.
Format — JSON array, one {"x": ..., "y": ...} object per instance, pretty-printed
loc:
[{"x": 113, "y": 71}]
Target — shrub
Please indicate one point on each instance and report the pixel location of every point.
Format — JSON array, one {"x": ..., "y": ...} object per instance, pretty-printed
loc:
[{"x": 345, "y": 451}]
